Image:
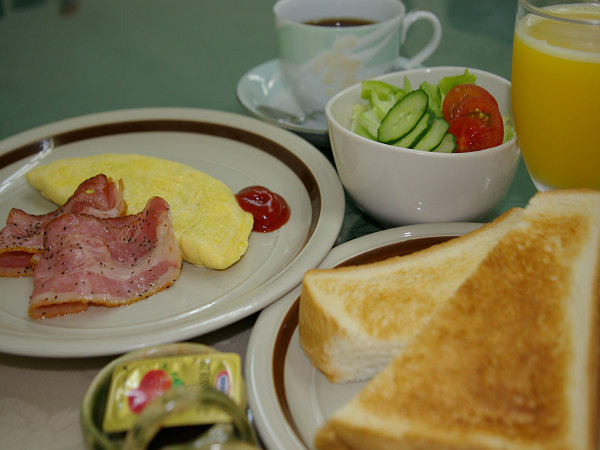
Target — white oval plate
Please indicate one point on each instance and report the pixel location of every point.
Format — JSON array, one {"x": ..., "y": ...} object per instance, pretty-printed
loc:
[
  {"x": 289, "y": 398},
  {"x": 238, "y": 150}
]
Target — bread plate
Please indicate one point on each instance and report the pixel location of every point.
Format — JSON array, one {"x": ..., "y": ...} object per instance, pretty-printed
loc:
[
  {"x": 290, "y": 399},
  {"x": 238, "y": 150}
]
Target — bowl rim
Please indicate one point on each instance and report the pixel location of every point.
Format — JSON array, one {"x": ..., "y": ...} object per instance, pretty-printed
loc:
[{"x": 333, "y": 122}]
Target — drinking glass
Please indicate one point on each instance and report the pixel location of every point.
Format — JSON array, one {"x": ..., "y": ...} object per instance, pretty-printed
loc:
[{"x": 556, "y": 92}]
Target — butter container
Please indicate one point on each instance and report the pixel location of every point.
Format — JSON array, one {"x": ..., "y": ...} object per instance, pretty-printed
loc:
[
  {"x": 135, "y": 384},
  {"x": 184, "y": 363}
]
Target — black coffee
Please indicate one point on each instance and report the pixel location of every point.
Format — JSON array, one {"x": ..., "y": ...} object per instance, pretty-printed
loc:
[{"x": 339, "y": 22}]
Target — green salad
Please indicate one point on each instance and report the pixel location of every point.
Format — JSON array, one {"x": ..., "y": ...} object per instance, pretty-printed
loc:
[{"x": 415, "y": 118}]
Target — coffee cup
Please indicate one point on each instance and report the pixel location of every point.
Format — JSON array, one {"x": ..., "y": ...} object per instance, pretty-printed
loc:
[{"x": 325, "y": 46}]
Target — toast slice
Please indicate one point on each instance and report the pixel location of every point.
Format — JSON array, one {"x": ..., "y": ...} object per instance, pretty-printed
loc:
[
  {"x": 511, "y": 360},
  {"x": 354, "y": 320}
]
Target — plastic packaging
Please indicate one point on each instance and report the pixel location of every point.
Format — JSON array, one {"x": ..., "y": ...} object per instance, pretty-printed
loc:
[{"x": 135, "y": 384}]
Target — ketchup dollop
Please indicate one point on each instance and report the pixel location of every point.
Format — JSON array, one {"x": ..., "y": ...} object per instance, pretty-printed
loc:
[{"x": 270, "y": 210}]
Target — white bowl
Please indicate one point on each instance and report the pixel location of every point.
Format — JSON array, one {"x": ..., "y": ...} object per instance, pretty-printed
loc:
[{"x": 399, "y": 186}]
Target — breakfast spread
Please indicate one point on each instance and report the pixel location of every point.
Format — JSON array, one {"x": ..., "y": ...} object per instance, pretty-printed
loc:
[
  {"x": 484, "y": 341},
  {"x": 109, "y": 262},
  {"x": 23, "y": 235},
  {"x": 453, "y": 116},
  {"x": 506, "y": 359},
  {"x": 211, "y": 228}
]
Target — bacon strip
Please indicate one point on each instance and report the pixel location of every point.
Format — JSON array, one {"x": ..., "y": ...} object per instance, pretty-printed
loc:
[
  {"x": 110, "y": 262},
  {"x": 23, "y": 234}
]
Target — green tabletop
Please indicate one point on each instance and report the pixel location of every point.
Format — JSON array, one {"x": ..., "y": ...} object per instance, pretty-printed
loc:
[{"x": 64, "y": 58}]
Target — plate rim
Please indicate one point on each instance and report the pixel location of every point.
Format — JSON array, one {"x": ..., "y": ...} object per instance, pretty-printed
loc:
[
  {"x": 326, "y": 228},
  {"x": 275, "y": 427}
]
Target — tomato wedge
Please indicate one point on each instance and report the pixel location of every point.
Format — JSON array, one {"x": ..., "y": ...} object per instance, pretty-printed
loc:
[
  {"x": 458, "y": 94},
  {"x": 474, "y": 118},
  {"x": 487, "y": 112},
  {"x": 471, "y": 135}
]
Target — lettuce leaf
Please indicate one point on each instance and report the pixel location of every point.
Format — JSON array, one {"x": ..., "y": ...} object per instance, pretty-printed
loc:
[
  {"x": 448, "y": 83},
  {"x": 509, "y": 131},
  {"x": 435, "y": 98}
]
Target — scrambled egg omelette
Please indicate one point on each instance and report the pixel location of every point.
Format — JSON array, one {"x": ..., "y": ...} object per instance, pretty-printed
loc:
[{"x": 210, "y": 226}]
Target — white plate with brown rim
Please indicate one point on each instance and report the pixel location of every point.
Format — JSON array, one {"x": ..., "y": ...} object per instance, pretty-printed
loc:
[
  {"x": 289, "y": 398},
  {"x": 238, "y": 150}
]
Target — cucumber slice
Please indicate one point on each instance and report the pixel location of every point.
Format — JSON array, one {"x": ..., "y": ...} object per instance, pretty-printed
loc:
[
  {"x": 403, "y": 117},
  {"x": 448, "y": 144},
  {"x": 416, "y": 133},
  {"x": 434, "y": 136}
]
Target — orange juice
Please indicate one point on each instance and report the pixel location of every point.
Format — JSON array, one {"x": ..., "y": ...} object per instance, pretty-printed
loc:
[{"x": 556, "y": 97}]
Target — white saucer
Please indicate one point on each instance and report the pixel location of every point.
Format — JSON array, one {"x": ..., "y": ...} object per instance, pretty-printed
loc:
[{"x": 265, "y": 85}]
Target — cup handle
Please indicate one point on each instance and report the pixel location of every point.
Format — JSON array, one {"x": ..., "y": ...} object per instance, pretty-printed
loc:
[
  {"x": 408, "y": 21},
  {"x": 238, "y": 434}
]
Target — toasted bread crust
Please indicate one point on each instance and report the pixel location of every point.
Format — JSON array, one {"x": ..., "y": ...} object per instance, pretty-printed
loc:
[{"x": 511, "y": 360}]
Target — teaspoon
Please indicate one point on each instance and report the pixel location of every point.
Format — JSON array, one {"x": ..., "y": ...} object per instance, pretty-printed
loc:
[{"x": 286, "y": 117}]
